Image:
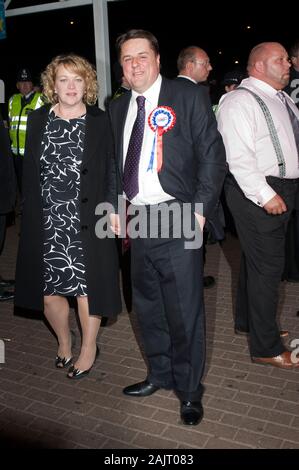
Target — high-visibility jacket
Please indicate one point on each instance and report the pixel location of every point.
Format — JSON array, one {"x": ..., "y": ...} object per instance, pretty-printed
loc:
[{"x": 18, "y": 113}]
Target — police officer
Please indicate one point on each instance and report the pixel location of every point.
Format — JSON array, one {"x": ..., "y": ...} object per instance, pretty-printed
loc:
[{"x": 19, "y": 106}]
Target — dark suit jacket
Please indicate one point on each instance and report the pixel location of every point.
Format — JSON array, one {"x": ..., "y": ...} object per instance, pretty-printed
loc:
[
  {"x": 216, "y": 222},
  {"x": 7, "y": 174},
  {"x": 194, "y": 163},
  {"x": 100, "y": 255}
]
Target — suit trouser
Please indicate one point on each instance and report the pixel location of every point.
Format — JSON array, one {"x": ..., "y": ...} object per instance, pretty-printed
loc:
[
  {"x": 168, "y": 301},
  {"x": 291, "y": 268},
  {"x": 262, "y": 239}
]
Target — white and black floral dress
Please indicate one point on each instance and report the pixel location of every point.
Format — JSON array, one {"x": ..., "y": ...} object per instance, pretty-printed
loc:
[{"x": 62, "y": 150}]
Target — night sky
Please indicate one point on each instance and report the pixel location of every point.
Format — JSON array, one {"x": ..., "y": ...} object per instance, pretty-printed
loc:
[{"x": 33, "y": 40}]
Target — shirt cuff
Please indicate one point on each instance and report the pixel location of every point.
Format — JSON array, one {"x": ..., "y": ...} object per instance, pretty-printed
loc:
[{"x": 264, "y": 195}]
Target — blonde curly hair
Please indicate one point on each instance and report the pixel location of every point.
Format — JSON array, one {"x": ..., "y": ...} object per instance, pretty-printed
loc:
[{"x": 77, "y": 64}]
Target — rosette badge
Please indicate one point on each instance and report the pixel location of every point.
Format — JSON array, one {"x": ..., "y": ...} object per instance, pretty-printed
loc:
[{"x": 161, "y": 120}]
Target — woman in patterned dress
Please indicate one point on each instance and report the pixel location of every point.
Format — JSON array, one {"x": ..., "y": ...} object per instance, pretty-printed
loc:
[{"x": 68, "y": 153}]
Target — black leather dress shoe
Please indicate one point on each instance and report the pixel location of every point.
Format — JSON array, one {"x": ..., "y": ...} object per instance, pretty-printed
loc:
[
  {"x": 141, "y": 389},
  {"x": 239, "y": 331},
  {"x": 191, "y": 412},
  {"x": 5, "y": 295},
  {"x": 208, "y": 282}
]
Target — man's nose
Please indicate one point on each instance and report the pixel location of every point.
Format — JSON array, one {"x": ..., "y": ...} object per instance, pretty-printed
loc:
[{"x": 135, "y": 61}]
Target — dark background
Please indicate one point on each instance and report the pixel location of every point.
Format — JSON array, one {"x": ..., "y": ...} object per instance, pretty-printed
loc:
[{"x": 33, "y": 40}]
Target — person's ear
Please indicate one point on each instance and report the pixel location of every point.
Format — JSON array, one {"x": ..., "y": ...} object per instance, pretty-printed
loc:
[{"x": 259, "y": 66}]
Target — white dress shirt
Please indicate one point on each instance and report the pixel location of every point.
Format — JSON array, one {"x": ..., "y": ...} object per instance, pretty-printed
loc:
[
  {"x": 150, "y": 189},
  {"x": 249, "y": 149}
]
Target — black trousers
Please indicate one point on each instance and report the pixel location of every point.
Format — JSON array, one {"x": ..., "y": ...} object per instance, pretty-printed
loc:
[
  {"x": 291, "y": 268},
  {"x": 168, "y": 301},
  {"x": 262, "y": 238}
]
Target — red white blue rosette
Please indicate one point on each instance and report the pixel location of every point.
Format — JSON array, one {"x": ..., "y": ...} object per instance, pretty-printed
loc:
[{"x": 161, "y": 120}]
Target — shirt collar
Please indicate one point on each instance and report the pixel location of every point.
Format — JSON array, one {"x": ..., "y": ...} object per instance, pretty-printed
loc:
[
  {"x": 26, "y": 97},
  {"x": 151, "y": 93},
  {"x": 261, "y": 85},
  {"x": 188, "y": 78}
]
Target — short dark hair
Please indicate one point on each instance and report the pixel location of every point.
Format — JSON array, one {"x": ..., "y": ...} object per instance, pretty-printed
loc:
[
  {"x": 294, "y": 50},
  {"x": 137, "y": 34},
  {"x": 186, "y": 55}
]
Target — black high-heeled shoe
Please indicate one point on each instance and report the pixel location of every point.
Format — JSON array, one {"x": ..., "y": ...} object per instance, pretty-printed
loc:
[
  {"x": 74, "y": 373},
  {"x": 63, "y": 362}
]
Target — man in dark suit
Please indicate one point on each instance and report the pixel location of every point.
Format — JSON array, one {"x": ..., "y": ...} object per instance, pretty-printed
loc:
[
  {"x": 194, "y": 65},
  {"x": 166, "y": 136}
]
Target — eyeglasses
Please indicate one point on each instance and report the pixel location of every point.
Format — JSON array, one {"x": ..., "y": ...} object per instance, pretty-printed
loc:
[{"x": 205, "y": 63}]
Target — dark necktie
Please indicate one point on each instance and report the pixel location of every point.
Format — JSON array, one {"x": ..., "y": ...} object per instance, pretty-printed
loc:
[
  {"x": 293, "y": 118},
  {"x": 130, "y": 178}
]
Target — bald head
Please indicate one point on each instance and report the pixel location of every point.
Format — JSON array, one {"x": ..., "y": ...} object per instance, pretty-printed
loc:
[
  {"x": 261, "y": 52},
  {"x": 194, "y": 62},
  {"x": 187, "y": 55},
  {"x": 269, "y": 62}
]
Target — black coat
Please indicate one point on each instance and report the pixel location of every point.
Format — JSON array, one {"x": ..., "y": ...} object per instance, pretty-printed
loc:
[
  {"x": 194, "y": 163},
  {"x": 101, "y": 260},
  {"x": 7, "y": 174}
]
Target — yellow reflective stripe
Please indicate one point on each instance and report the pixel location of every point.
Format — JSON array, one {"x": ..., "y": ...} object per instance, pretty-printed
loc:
[
  {"x": 15, "y": 150},
  {"x": 39, "y": 103},
  {"x": 23, "y": 118},
  {"x": 21, "y": 128}
]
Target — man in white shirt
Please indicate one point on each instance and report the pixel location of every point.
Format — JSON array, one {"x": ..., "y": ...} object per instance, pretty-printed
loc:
[{"x": 260, "y": 193}]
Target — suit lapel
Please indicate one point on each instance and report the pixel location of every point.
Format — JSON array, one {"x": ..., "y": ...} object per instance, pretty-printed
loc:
[
  {"x": 166, "y": 99},
  {"x": 165, "y": 96}
]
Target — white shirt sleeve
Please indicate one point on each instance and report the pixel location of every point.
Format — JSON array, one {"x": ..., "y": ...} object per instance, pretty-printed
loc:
[{"x": 238, "y": 126}]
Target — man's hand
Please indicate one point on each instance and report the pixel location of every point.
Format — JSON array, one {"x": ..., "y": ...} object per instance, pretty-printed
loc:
[
  {"x": 275, "y": 206},
  {"x": 201, "y": 220},
  {"x": 115, "y": 223}
]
